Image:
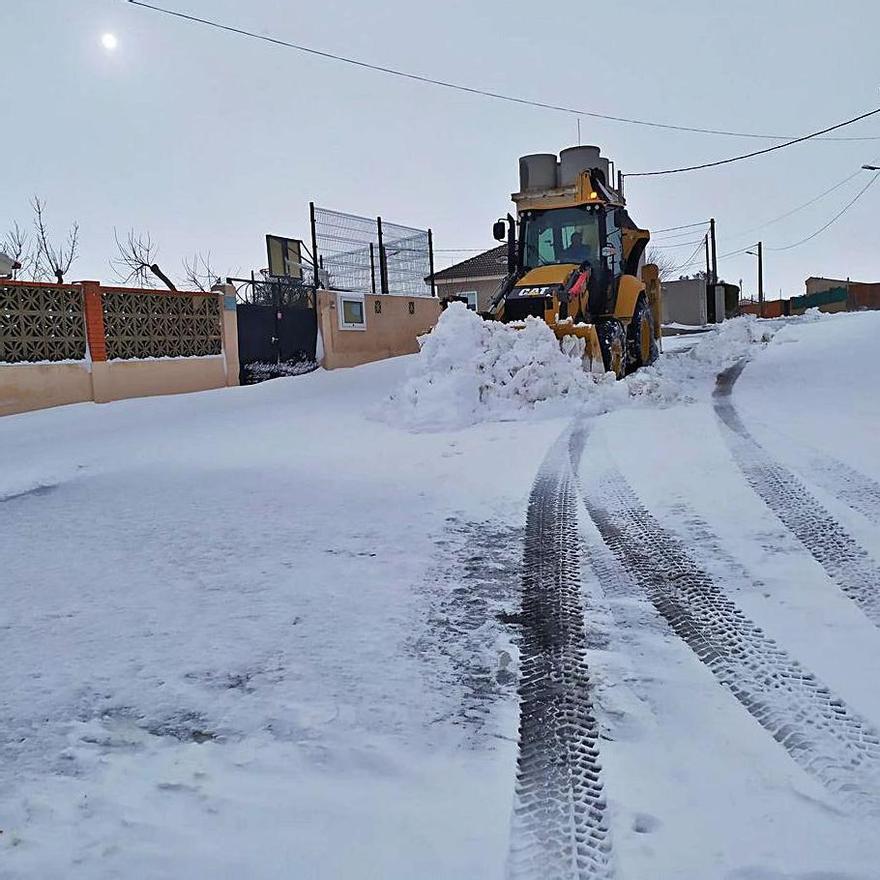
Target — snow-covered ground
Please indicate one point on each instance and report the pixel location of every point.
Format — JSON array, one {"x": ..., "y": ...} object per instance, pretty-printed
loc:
[{"x": 272, "y": 631}]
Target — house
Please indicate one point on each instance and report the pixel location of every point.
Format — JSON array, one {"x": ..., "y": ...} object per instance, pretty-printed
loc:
[{"x": 475, "y": 280}]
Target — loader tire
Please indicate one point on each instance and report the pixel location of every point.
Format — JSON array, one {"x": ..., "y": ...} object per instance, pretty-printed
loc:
[
  {"x": 613, "y": 343},
  {"x": 640, "y": 342}
]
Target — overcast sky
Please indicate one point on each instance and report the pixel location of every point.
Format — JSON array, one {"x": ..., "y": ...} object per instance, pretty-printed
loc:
[{"x": 209, "y": 141}]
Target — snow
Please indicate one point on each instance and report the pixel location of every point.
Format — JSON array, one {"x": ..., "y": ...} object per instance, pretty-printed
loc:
[
  {"x": 470, "y": 370},
  {"x": 256, "y": 632},
  {"x": 266, "y": 566}
]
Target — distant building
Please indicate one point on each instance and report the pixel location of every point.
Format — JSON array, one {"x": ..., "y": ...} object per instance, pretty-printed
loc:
[
  {"x": 824, "y": 294},
  {"x": 837, "y": 295},
  {"x": 475, "y": 280},
  {"x": 687, "y": 303}
]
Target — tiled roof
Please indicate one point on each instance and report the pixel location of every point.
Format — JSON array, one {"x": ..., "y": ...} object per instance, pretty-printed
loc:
[{"x": 488, "y": 264}]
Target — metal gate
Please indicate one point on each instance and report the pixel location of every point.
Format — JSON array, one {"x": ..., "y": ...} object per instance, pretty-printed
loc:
[{"x": 277, "y": 328}]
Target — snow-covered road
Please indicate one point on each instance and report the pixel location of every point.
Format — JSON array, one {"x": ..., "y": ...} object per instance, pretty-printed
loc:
[{"x": 285, "y": 630}]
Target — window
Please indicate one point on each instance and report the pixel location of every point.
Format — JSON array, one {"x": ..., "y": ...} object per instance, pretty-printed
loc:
[
  {"x": 550, "y": 236},
  {"x": 352, "y": 315},
  {"x": 471, "y": 297}
]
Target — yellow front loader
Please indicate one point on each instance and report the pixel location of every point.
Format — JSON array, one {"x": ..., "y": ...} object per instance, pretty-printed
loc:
[{"x": 576, "y": 260}]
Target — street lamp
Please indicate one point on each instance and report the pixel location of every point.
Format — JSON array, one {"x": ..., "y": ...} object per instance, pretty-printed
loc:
[
  {"x": 871, "y": 167},
  {"x": 759, "y": 253}
]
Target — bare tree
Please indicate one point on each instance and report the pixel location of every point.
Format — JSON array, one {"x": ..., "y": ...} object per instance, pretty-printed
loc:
[
  {"x": 49, "y": 257},
  {"x": 200, "y": 273},
  {"x": 17, "y": 244},
  {"x": 137, "y": 261},
  {"x": 665, "y": 263}
]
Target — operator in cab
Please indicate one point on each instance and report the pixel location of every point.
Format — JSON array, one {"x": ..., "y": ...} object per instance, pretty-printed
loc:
[{"x": 577, "y": 251}]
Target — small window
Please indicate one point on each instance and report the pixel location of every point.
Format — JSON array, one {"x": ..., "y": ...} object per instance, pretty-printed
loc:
[
  {"x": 352, "y": 315},
  {"x": 471, "y": 297}
]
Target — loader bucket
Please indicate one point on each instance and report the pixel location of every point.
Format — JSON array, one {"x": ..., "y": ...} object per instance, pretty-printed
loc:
[{"x": 582, "y": 340}]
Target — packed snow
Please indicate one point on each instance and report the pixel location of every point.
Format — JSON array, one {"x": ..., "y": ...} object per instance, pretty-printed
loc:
[
  {"x": 470, "y": 370},
  {"x": 270, "y": 631}
]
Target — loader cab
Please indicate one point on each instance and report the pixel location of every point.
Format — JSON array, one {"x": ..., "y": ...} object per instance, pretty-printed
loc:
[
  {"x": 560, "y": 236},
  {"x": 569, "y": 236}
]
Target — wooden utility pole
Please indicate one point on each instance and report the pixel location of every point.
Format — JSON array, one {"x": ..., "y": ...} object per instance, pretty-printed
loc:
[
  {"x": 714, "y": 251},
  {"x": 761, "y": 278},
  {"x": 710, "y": 297}
]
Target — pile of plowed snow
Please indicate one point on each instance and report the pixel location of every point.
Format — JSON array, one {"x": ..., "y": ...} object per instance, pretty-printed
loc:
[{"x": 470, "y": 370}]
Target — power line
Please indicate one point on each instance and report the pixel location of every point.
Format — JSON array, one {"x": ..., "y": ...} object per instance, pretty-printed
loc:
[
  {"x": 734, "y": 253},
  {"x": 669, "y": 237},
  {"x": 693, "y": 257},
  {"x": 754, "y": 153},
  {"x": 663, "y": 247},
  {"x": 834, "y": 219},
  {"x": 332, "y": 56},
  {"x": 699, "y": 242},
  {"x": 822, "y": 228},
  {"x": 686, "y": 226},
  {"x": 812, "y": 201}
]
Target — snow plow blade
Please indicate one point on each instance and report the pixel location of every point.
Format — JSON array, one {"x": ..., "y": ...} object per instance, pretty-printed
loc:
[{"x": 580, "y": 340}]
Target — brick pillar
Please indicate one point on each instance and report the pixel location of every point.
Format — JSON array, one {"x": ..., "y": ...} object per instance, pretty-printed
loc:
[{"x": 94, "y": 314}]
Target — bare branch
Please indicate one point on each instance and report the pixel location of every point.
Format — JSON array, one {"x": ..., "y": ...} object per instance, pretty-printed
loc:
[
  {"x": 200, "y": 273},
  {"x": 17, "y": 244},
  {"x": 665, "y": 263},
  {"x": 48, "y": 257},
  {"x": 137, "y": 261}
]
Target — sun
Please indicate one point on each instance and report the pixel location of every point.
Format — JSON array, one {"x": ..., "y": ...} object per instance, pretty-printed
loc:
[{"x": 109, "y": 41}]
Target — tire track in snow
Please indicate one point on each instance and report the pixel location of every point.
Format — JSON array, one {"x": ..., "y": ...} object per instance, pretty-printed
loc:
[
  {"x": 559, "y": 828},
  {"x": 855, "y": 490},
  {"x": 821, "y": 734},
  {"x": 844, "y": 561}
]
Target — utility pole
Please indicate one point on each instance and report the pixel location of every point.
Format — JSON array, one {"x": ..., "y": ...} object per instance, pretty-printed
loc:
[
  {"x": 710, "y": 290},
  {"x": 383, "y": 258},
  {"x": 761, "y": 278},
  {"x": 714, "y": 251},
  {"x": 431, "y": 261}
]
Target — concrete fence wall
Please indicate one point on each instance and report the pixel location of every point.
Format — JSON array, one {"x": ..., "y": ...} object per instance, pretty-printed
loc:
[
  {"x": 684, "y": 302},
  {"x": 392, "y": 325},
  {"x": 63, "y": 344}
]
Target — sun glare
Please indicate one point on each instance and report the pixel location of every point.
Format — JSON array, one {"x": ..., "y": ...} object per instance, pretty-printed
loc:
[{"x": 109, "y": 41}]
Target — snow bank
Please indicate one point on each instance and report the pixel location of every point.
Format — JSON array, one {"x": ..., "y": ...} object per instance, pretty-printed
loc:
[{"x": 470, "y": 370}]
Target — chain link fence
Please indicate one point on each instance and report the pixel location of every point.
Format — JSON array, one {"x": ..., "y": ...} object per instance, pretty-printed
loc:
[{"x": 367, "y": 255}]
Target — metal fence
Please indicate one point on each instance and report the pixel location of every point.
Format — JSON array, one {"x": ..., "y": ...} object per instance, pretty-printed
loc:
[
  {"x": 274, "y": 290},
  {"x": 367, "y": 255}
]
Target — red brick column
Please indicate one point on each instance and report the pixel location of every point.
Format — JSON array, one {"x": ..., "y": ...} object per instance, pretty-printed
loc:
[{"x": 94, "y": 315}]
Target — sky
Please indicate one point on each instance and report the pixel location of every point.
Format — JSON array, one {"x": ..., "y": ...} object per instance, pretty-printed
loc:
[{"x": 207, "y": 140}]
